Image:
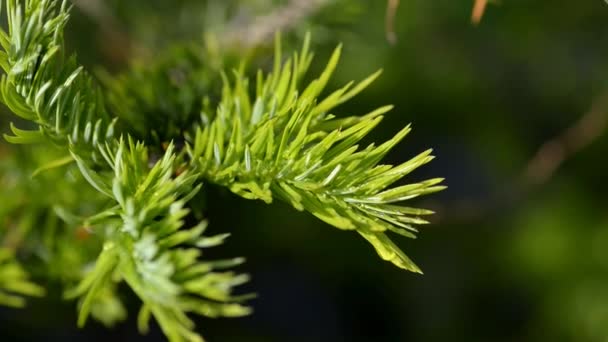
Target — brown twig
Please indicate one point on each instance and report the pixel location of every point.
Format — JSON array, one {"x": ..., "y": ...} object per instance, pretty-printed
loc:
[
  {"x": 479, "y": 9},
  {"x": 391, "y": 12},
  {"x": 538, "y": 171},
  {"x": 552, "y": 154}
]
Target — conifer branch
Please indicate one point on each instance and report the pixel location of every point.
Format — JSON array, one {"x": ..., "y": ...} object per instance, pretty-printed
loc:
[
  {"x": 149, "y": 248},
  {"x": 281, "y": 141},
  {"x": 286, "y": 144},
  {"x": 145, "y": 244},
  {"x": 41, "y": 84}
]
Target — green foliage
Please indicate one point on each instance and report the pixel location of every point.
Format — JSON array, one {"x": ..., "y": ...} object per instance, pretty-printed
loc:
[
  {"x": 136, "y": 224},
  {"x": 46, "y": 227},
  {"x": 567, "y": 271},
  {"x": 14, "y": 281},
  {"x": 167, "y": 91},
  {"x": 148, "y": 247},
  {"x": 286, "y": 144},
  {"x": 44, "y": 86}
]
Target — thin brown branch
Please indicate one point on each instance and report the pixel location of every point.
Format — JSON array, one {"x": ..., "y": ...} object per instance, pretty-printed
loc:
[
  {"x": 550, "y": 156},
  {"x": 479, "y": 9},
  {"x": 391, "y": 13},
  {"x": 553, "y": 153}
]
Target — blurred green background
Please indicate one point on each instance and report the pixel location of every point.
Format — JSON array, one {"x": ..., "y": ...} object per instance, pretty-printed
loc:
[{"x": 507, "y": 258}]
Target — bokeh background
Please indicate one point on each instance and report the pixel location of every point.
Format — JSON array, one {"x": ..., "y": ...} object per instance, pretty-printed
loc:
[{"x": 518, "y": 250}]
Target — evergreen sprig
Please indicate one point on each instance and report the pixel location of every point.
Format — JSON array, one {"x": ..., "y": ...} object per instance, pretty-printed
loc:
[
  {"x": 286, "y": 144},
  {"x": 149, "y": 248},
  {"x": 42, "y": 85},
  {"x": 145, "y": 242},
  {"x": 280, "y": 141}
]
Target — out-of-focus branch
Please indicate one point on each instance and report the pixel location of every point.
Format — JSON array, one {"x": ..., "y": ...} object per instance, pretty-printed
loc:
[
  {"x": 537, "y": 172},
  {"x": 479, "y": 9},
  {"x": 552, "y": 154},
  {"x": 391, "y": 12},
  {"x": 263, "y": 28},
  {"x": 96, "y": 9}
]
